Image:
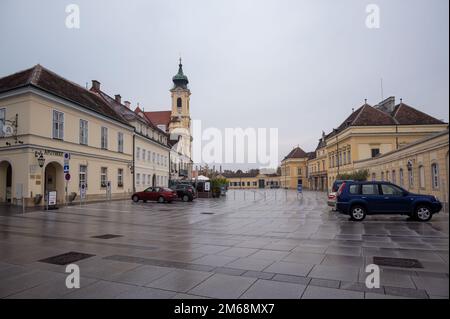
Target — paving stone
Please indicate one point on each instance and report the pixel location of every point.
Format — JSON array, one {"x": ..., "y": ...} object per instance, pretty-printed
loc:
[
  {"x": 250, "y": 263},
  {"x": 223, "y": 286},
  {"x": 314, "y": 292},
  {"x": 268, "y": 289},
  {"x": 229, "y": 271},
  {"x": 259, "y": 274},
  {"x": 289, "y": 268},
  {"x": 406, "y": 292},
  {"x": 433, "y": 286},
  {"x": 180, "y": 280},
  {"x": 293, "y": 279},
  {"x": 325, "y": 283},
  {"x": 344, "y": 273},
  {"x": 214, "y": 260}
]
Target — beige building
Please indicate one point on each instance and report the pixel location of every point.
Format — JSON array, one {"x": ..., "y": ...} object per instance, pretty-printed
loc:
[
  {"x": 44, "y": 116},
  {"x": 251, "y": 180},
  {"x": 317, "y": 167},
  {"x": 420, "y": 167},
  {"x": 294, "y": 169},
  {"x": 374, "y": 130},
  {"x": 151, "y": 145}
]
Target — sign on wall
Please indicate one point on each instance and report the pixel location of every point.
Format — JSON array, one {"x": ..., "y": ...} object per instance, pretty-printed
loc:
[{"x": 207, "y": 186}]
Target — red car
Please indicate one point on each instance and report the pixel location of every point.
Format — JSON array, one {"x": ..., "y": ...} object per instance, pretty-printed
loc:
[{"x": 159, "y": 194}]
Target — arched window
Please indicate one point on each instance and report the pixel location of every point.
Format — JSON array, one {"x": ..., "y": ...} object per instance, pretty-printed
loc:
[
  {"x": 421, "y": 176},
  {"x": 179, "y": 104},
  {"x": 394, "y": 177},
  {"x": 401, "y": 177},
  {"x": 382, "y": 176},
  {"x": 411, "y": 178},
  {"x": 374, "y": 176},
  {"x": 435, "y": 175},
  {"x": 388, "y": 177}
]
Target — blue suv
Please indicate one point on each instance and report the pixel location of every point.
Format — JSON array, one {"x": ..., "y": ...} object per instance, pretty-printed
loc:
[{"x": 359, "y": 199}]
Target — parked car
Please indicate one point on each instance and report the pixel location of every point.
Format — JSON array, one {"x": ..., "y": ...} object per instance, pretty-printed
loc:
[
  {"x": 159, "y": 194},
  {"x": 186, "y": 192},
  {"x": 332, "y": 195},
  {"x": 359, "y": 199}
]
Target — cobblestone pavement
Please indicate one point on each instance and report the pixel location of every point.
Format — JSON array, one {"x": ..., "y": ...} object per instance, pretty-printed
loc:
[{"x": 252, "y": 244}]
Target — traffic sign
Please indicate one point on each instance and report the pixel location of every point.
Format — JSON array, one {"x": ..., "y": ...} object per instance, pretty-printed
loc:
[
  {"x": 66, "y": 168},
  {"x": 300, "y": 188},
  {"x": 67, "y": 177},
  {"x": 66, "y": 156},
  {"x": 83, "y": 191}
]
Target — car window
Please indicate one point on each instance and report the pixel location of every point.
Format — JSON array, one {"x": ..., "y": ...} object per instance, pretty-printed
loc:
[
  {"x": 369, "y": 189},
  {"x": 156, "y": 189},
  {"x": 148, "y": 189},
  {"x": 336, "y": 186},
  {"x": 353, "y": 189},
  {"x": 391, "y": 190}
]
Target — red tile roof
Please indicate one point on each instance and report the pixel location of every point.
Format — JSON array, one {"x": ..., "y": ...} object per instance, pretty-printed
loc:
[
  {"x": 50, "y": 82},
  {"x": 296, "y": 153},
  {"x": 159, "y": 117},
  {"x": 407, "y": 115}
]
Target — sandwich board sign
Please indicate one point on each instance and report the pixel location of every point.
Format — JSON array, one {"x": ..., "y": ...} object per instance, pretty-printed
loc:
[
  {"x": 207, "y": 186},
  {"x": 52, "y": 198}
]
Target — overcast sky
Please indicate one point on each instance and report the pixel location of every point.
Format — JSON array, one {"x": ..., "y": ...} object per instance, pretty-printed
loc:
[{"x": 300, "y": 66}]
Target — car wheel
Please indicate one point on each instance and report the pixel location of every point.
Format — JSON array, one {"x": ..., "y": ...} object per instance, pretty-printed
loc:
[
  {"x": 160, "y": 199},
  {"x": 185, "y": 198},
  {"x": 135, "y": 198},
  {"x": 358, "y": 213},
  {"x": 422, "y": 213}
]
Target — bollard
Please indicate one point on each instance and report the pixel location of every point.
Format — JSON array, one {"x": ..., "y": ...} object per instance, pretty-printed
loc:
[
  {"x": 254, "y": 195},
  {"x": 244, "y": 194}
]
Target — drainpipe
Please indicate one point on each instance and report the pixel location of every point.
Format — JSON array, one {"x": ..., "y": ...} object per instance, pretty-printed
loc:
[{"x": 133, "y": 165}]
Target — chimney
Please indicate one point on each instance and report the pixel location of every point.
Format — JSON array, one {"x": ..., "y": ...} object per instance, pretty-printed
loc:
[
  {"x": 387, "y": 105},
  {"x": 118, "y": 98},
  {"x": 128, "y": 104},
  {"x": 95, "y": 85}
]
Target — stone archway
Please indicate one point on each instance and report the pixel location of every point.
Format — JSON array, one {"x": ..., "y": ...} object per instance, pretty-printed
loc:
[
  {"x": 5, "y": 182},
  {"x": 54, "y": 180}
]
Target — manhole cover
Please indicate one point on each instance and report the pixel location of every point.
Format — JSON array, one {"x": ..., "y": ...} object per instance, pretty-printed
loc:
[
  {"x": 66, "y": 258},
  {"x": 207, "y": 213},
  {"x": 107, "y": 236},
  {"x": 397, "y": 262}
]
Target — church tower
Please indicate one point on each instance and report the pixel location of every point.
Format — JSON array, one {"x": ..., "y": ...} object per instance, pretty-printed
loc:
[{"x": 180, "y": 120}]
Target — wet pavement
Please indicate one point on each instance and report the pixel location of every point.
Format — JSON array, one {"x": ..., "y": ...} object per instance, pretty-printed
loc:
[{"x": 252, "y": 244}]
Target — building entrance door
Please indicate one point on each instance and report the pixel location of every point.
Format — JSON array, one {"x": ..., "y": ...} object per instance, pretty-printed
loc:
[{"x": 6, "y": 182}]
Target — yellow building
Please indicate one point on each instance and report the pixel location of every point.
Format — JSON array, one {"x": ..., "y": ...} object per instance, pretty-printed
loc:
[
  {"x": 420, "y": 167},
  {"x": 373, "y": 130},
  {"x": 44, "y": 116},
  {"x": 251, "y": 180},
  {"x": 294, "y": 169},
  {"x": 317, "y": 167}
]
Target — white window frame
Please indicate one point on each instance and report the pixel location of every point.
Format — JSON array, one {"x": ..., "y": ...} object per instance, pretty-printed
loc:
[
  {"x": 435, "y": 175},
  {"x": 85, "y": 174},
  {"x": 84, "y": 132},
  {"x": 2, "y": 119},
  {"x": 138, "y": 153},
  {"x": 104, "y": 138},
  {"x": 138, "y": 179},
  {"x": 58, "y": 119},
  {"x": 421, "y": 176},
  {"x": 120, "y": 177},
  {"x": 103, "y": 176},
  {"x": 120, "y": 142}
]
